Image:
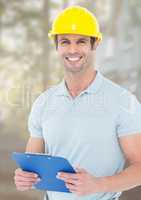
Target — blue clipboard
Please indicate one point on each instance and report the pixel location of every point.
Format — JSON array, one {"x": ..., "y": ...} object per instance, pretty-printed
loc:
[{"x": 46, "y": 167}]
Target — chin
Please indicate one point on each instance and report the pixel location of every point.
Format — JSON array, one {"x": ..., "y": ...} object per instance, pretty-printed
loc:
[{"x": 73, "y": 69}]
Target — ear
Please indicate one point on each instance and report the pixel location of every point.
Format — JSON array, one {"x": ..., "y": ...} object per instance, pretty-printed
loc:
[{"x": 96, "y": 44}]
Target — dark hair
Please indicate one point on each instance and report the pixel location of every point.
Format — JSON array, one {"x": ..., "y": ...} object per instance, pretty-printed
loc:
[{"x": 92, "y": 41}]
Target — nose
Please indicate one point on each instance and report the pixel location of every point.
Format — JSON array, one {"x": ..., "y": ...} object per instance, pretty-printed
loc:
[{"x": 73, "y": 48}]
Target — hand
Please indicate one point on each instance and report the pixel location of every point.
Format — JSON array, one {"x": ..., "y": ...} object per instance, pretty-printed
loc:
[
  {"x": 81, "y": 182},
  {"x": 25, "y": 180}
]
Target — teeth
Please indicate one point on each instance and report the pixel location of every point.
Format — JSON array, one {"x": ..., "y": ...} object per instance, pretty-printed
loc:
[{"x": 73, "y": 59}]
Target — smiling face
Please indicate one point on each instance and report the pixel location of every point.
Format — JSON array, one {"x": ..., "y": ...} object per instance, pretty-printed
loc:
[{"x": 75, "y": 52}]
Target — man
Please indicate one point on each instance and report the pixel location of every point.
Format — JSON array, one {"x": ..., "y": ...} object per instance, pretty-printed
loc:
[{"x": 87, "y": 119}]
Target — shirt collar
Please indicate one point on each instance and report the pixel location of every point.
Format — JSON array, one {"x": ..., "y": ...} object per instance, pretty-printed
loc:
[{"x": 91, "y": 89}]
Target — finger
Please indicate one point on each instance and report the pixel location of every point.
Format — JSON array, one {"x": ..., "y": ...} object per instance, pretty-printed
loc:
[
  {"x": 67, "y": 175},
  {"x": 20, "y": 172},
  {"x": 72, "y": 181},
  {"x": 24, "y": 184},
  {"x": 71, "y": 186},
  {"x": 24, "y": 179},
  {"x": 26, "y": 174},
  {"x": 72, "y": 190}
]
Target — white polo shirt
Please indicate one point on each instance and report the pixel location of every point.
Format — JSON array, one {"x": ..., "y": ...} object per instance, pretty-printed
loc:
[{"x": 86, "y": 129}]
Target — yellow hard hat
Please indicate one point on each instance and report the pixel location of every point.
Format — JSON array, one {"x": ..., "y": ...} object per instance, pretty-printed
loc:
[{"x": 76, "y": 20}]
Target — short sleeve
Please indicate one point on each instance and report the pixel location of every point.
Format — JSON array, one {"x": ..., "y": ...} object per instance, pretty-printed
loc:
[
  {"x": 35, "y": 116},
  {"x": 129, "y": 119}
]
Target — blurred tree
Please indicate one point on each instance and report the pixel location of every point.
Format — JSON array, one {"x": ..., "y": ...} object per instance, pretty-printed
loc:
[
  {"x": 45, "y": 57},
  {"x": 65, "y": 3},
  {"x": 24, "y": 56}
]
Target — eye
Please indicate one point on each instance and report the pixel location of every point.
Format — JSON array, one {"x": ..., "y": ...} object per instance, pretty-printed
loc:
[
  {"x": 82, "y": 42},
  {"x": 64, "y": 42}
]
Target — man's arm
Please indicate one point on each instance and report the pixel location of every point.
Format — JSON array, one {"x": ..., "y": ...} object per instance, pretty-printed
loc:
[
  {"x": 25, "y": 180},
  {"x": 35, "y": 145},
  {"x": 131, "y": 176},
  {"x": 83, "y": 183}
]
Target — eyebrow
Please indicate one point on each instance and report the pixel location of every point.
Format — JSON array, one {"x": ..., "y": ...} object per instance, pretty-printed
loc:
[
  {"x": 86, "y": 39},
  {"x": 63, "y": 39}
]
